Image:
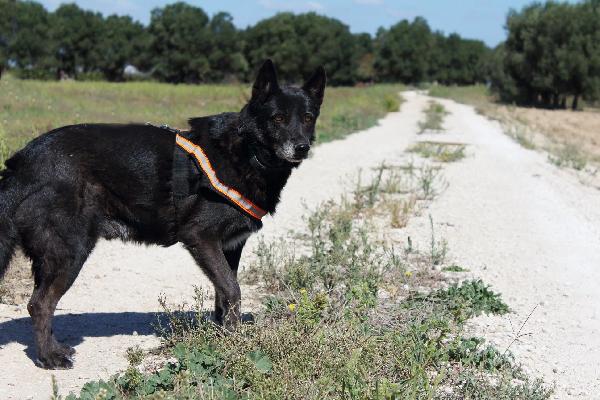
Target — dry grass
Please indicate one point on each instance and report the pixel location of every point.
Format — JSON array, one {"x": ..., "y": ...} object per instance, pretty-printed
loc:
[
  {"x": 571, "y": 137},
  {"x": 17, "y": 284}
]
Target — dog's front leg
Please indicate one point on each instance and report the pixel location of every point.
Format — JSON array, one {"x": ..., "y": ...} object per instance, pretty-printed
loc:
[{"x": 210, "y": 257}]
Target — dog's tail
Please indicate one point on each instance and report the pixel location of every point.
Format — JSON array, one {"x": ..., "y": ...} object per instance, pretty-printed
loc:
[{"x": 9, "y": 235}]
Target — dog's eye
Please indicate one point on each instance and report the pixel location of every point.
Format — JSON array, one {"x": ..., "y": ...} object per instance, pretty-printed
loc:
[
  {"x": 278, "y": 118},
  {"x": 308, "y": 118}
]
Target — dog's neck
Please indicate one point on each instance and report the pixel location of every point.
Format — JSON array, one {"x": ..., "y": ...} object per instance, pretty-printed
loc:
[{"x": 249, "y": 168}]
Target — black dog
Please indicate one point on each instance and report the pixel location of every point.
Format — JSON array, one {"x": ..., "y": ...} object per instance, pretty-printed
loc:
[{"x": 75, "y": 184}]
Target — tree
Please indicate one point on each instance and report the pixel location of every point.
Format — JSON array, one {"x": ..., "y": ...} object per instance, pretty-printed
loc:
[
  {"x": 226, "y": 59},
  {"x": 23, "y": 34},
  {"x": 75, "y": 35},
  {"x": 298, "y": 44},
  {"x": 181, "y": 43},
  {"x": 365, "y": 57},
  {"x": 458, "y": 61},
  {"x": 552, "y": 51},
  {"x": 122, "y": 42},
  {"x": 403, "y": 53}
]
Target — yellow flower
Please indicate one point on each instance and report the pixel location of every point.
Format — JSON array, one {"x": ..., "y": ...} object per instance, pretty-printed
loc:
[
  {"x": 292, "y": 307},
  {"x": 302, "y": 291},
  {"x": 408, "y": 274}
]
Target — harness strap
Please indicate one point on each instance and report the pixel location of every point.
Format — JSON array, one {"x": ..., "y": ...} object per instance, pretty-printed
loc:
[{"x": 229, "y": 193}]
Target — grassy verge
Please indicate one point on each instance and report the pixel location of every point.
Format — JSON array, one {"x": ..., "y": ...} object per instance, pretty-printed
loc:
[
  {"x": 570, "y": 137},
  {"x": 346, "y": 315},
  {"x": 28, "y": 108},
  {"x": 434, "y": 118}
]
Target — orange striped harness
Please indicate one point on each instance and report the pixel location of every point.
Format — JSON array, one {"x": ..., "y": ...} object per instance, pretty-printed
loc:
[{"x": 229, "y": 193}]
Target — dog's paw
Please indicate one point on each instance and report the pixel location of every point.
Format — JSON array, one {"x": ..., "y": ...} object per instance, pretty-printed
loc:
[{"x": 56, "y": 360}]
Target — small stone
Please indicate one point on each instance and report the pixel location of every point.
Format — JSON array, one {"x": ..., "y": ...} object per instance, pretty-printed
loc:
[{"x": 134, "y": 333}]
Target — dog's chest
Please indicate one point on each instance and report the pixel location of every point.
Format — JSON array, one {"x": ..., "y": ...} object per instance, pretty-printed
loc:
[{"x": 235, "y": 240}]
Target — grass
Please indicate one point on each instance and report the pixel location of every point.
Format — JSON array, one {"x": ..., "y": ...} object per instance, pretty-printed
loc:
[
  {"x": 434, "y": 118},
  {"x": 475, "y": 95},
  {"x": 519, "y": 133},
  {"x": 439, "y": 151},
  {"x": 568, "y": 137},
  {"x": 570, "y": 156},
  {"x": 454, "y": 268},
  {"x": 29, "y": 108},
  {"x": 342, "y": 319}
]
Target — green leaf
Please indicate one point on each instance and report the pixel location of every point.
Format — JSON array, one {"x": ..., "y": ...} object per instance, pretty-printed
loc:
[{"x": 261, "y": 361}]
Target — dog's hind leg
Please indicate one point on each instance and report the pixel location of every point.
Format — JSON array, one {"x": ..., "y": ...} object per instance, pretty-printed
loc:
[
  {"x": 58, "y": 242},
  {"x": 52, "y": 278},
  {"x": 210, "y": 257}
]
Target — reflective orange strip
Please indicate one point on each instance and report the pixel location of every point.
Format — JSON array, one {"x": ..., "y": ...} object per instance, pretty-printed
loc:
[{"x": 232, "y": 194}]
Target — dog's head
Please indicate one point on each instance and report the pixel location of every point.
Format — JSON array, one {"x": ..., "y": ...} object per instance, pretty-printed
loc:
[{"x": 285, "y": 117}]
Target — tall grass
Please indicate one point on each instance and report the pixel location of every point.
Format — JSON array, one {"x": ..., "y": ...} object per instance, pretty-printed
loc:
[
  {"x": 29, "y": 108},
  {"x": 476, "y": 95}
]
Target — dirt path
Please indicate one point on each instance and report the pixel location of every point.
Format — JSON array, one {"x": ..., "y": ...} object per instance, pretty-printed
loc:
[
  {"x": 113, "y": 303},
  {"x": 516, "y": 221},
  {"x": 532, "y": 231}
]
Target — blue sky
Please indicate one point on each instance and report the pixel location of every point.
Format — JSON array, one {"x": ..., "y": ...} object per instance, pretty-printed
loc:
[{"x": 477, "y": 19}]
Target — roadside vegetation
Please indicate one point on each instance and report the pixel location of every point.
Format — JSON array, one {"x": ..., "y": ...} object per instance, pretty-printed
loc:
[
  {"x": 434, "y": 118},
  {"x": 346, "y": 313},
  {"x": 439, "y": 151}
]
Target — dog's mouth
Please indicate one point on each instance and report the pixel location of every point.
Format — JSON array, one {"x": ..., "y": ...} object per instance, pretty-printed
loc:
[
  {"x": 294, "y": 160},
  {"x": 290, "y": 155}
]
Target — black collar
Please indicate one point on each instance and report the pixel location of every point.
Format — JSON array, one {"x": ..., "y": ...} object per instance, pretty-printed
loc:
[{"x": 261, "y": 164}]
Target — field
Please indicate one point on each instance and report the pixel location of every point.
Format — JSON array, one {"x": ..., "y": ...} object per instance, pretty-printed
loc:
[
  {"x": 571, "y": 137},
  {"x": 29, "y": 108}
]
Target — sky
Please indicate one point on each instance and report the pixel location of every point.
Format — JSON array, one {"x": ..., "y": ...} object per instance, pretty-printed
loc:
[{"x": 474, "y": 19}]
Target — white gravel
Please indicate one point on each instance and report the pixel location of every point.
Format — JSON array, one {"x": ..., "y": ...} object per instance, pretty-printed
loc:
[{"x": 530, "y": 230}]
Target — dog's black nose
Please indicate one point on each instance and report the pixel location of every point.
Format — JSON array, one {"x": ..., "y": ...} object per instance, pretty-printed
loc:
[{"x": 302, "y": 149}]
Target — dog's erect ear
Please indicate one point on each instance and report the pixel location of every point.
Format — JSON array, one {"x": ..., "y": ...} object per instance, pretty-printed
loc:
[
  {"x": 266, "y": 82},
  {"x": 315, "y": 86}
]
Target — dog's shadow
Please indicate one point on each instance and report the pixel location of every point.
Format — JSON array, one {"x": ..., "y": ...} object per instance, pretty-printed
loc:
[{"x": 73, "y": 329}]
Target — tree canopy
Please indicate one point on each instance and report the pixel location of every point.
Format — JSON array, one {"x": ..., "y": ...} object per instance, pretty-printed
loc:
[
  {"x": 552, "y": 51},
  {"x": 184, "y": 44}
]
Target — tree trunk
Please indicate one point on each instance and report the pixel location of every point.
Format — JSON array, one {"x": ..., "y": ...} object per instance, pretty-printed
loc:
[
  {"x": 555, "y": 100},
  {"x": 575, "y": 103},
  {"x": 563, "y": 103}
]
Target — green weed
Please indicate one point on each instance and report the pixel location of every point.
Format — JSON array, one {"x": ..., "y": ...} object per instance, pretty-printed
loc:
[
  {"x": 454, "y": 268},
  {"x": 568, "y": 156},
  {"x": 434, "y": 118},
  {"x": 439, "y": 151},
  {"x": 438, "y": 248}
]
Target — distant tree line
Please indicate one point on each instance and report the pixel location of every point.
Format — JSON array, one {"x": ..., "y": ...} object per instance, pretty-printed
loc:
[
  {"x": 552, "y": 53},
  {"x": 182, "y": 44}
]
